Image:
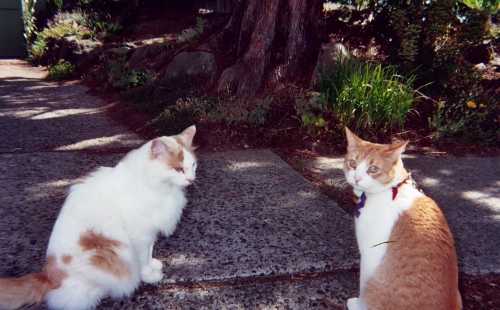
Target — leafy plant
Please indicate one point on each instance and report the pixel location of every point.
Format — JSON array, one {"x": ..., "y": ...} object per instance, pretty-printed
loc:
[
  {"x": 310, "y": 108},
  {"x": 234, "y": 111},
  {"x": 190, "y": 34},
  {"x": 61, "y": 71},
  {"x": 58, "y": 4},
  {"x": 312, "y": 121},
  {"x": 200, "y": 26},
  {"x": 29, "y": 20},
  {"x": 475, "y": 119},
  {"x": 45, "y": 48},
  {"x": 113, "y": 71}
]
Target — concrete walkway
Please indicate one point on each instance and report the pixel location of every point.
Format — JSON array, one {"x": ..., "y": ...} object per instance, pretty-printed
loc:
[{"x": 255, "y": 234}]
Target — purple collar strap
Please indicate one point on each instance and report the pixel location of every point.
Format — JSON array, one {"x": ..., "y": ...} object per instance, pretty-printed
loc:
[{"x": 395, "y": 190}]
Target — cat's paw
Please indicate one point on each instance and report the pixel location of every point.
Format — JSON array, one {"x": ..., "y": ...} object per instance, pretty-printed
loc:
[
  {"x": 353, "y": 304},
  {"x": 156, "y": 264},
  {"x": 150, "y": 275}
]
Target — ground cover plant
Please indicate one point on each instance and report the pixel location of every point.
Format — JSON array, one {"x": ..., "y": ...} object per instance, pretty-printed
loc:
[
  {"x": 62, "y": 71},
  {"x": 113, "y": 72}
]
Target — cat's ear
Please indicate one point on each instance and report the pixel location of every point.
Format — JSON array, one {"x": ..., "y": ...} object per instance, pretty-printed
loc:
[
  {"x": 352, "y": 140},
  {"x": 187, "y": 135},
  {"x": 395, "y": 151},
  {"x": 159, "y": 150}
]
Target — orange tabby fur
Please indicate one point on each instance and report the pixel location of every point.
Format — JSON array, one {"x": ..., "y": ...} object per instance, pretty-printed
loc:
[
  {"x": 413, "y": 275},
  {"x": 418, "y": 269},
  {"x": 30, "y": 289}
]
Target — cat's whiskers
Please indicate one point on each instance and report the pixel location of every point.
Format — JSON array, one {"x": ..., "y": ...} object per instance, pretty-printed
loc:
[{"x": 196, "y": 186}]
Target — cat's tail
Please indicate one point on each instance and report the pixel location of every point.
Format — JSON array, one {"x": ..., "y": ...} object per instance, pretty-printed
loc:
[
  {"x": 28, "y": 290},
  {"x": 31, "y": 289}
]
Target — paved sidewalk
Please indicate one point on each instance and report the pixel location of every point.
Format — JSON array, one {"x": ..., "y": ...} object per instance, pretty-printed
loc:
[{"x": 255, "y": 233}]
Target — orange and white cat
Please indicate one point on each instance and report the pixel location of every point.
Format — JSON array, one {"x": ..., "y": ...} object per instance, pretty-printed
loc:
[
  {"x": 408, "y": 258},
  {"x": 102, "y": 242}
]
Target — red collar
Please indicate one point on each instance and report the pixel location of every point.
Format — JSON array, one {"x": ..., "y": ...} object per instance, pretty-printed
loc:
[{"x": 395, "y": 189}]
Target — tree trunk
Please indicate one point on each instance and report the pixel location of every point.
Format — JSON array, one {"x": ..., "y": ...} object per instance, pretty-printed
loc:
[{"x": 270, "y": 41}]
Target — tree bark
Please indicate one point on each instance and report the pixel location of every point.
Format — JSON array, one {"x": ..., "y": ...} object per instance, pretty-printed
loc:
[{"x": 270, "y": 41}]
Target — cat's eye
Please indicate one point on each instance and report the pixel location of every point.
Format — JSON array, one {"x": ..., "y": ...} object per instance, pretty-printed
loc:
[
  {"x": 373, "y": 169},
  {"x": 179, "y": 169},
  {"x": 353, "y": 163}
]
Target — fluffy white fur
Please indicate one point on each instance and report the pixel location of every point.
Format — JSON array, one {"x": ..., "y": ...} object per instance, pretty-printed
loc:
[{"x": 128, "y": 204}]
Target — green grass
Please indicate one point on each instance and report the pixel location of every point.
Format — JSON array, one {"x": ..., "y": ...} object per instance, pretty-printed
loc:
[{"x": 367, "y": 96}]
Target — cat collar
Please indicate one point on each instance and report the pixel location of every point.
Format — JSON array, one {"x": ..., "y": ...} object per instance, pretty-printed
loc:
[
  {"x": 360, "y": 205},
  {"x": 395, "y": 189}
]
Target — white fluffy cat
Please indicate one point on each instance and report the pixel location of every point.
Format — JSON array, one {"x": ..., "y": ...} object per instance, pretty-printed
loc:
[{"x": 102, "y": 241}]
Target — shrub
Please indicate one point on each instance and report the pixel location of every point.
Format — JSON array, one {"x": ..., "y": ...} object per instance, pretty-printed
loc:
[
  {"x": 181, "y": 114},
  {"x": 165, "y": 105},
  {"x": 227, "y": 110},
  {"x": 45, "y": 48},
  {"x": 195, "y": 33},
  {"x": 63, "y": 70},
  {"x": 432, "y": 38},
  {"x": 43, "y": 51},
  {"x": 103, "y": 30},
  {"x": 473, "y": 118},
  {"x": 106, "y": 18}
]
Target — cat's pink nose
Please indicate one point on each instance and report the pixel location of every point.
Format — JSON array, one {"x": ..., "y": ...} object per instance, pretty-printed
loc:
[
  {"x": 191, "y": 181},
  {"x": 357, "y": 179}
]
